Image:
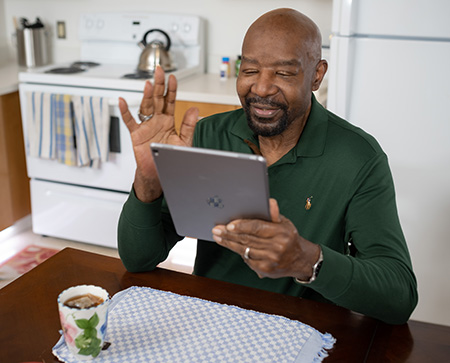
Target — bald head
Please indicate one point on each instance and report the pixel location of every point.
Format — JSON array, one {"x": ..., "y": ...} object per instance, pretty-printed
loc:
[{"x": 281, "y": 25}]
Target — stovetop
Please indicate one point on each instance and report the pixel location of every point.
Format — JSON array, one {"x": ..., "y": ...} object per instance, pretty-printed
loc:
[
  {"x": 75, "y": 67},
  {"x": 104, "y": 76}
]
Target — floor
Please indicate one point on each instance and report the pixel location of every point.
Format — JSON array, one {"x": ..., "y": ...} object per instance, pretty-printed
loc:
[{"x": 17, "y": 237}]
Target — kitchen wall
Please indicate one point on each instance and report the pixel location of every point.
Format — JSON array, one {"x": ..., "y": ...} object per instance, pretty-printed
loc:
[
  {"x": 4, "y": 49},
  {"x": 227, "y": 20}
]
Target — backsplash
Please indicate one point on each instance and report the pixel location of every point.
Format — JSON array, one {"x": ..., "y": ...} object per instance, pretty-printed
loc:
[{"x": 226, "y": 20}]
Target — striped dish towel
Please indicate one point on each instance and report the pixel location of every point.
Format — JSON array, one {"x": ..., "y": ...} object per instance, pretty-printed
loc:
[
  {"x": 92, "y": 123},
  {"x": 40, "y": 138},
  {"x": 65, "y": 136}
]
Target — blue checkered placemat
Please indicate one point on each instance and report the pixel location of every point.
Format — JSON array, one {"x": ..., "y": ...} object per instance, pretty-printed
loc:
[{"x": 148, "y": 325}]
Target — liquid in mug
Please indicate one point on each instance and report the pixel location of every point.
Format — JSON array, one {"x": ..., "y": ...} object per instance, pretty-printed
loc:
[{"x": 85, "y": 301}]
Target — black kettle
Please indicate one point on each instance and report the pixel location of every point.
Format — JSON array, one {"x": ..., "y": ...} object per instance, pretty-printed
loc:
[{"x": 155, "y": 53}]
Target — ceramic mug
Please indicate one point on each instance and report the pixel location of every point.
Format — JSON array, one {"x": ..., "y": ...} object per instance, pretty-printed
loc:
[{"x": 84, "y": 328}]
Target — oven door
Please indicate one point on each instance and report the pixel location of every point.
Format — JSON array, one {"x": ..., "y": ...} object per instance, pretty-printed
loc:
[
  {"x": 82, "y": 203},
  {"x": 117, "y": 173}
]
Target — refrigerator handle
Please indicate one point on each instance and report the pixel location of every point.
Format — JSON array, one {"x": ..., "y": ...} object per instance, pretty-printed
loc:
[
  {"x": 344, "y": 17},
  {"x": 341, "y": 63}
]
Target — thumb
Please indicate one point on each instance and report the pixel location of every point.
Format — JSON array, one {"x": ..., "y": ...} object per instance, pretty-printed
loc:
[
  {"x": 188, "y": 125},
  {"x": 274, "y": 211}
]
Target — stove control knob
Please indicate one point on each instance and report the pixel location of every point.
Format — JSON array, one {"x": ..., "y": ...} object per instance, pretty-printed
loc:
[
  {"x": 100, "y": 23},
  {"x": 89, "y": 23},
  {"x": 187, "y": 28},
  {"x": 175, "y": 27}
]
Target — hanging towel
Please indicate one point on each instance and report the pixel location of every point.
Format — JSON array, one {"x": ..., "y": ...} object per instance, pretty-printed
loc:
[
  {"x": 64, "y": 127},
  {"x": 40, "y": 126},
  {"x": 92, "y": 123}
]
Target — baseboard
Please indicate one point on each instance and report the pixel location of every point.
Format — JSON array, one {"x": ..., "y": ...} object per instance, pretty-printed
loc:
[{"x": 20, "y": 226}]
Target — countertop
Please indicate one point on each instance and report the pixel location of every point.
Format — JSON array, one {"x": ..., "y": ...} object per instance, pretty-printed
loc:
[
  {"x": 197, "y": 88},
  {"x": 208, "y": 88}
]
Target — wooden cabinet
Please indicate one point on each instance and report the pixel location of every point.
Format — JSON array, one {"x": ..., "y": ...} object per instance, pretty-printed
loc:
[
  {"x": 14, "y": 183},
  {"x": 206, "y": 109}
]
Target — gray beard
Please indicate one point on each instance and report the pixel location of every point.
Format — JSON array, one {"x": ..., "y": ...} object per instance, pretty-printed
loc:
[{"x": 277, "y": 129}]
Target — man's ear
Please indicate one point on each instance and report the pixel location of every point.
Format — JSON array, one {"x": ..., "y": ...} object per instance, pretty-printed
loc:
[{"x": 321, "y": 69}]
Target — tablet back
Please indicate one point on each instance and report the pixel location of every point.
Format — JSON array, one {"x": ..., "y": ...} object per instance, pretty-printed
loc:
[{"x": 206, "y": 187}]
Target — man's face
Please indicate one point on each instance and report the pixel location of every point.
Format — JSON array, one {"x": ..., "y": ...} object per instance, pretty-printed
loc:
[{"x": 275, "y": 81}]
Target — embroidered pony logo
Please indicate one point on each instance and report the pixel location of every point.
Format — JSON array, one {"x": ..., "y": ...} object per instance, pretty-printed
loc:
[{"x": 308, "y": 203}]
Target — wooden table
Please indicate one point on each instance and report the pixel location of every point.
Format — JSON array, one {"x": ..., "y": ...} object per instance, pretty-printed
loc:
[{"x": 29, "y": 321}]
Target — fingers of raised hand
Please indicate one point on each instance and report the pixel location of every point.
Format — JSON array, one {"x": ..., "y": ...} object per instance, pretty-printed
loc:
[
  {"x": 146, "y": 109},
  {"x": 190, "y": 119},
  {"x": 164, "y": 102},
  {"x": 126, "y": 115},
  {"x": 158, "y": 91},
  {"x": 171, "y": 95}
]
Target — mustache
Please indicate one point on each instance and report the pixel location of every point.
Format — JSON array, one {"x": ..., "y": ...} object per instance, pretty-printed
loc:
[{"x": 264, "y": 101}]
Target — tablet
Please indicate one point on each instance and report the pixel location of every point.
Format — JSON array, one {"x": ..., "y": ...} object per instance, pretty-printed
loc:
[{"x": 205, "y": 187}]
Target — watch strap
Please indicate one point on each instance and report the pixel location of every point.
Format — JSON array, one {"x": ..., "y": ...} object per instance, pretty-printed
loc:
[{"x": 315, "y": 270}]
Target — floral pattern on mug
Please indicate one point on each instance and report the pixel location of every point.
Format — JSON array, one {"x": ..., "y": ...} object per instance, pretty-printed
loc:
[
  {"x": 69, "y": 330},
  {"x": 88, "y": 342}
]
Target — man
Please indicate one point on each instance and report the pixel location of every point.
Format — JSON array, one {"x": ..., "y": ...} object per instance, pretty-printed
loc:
[{"x": 334, "y": 234}]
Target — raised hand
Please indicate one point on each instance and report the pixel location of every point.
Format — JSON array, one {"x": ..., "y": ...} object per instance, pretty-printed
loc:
[{"x": 157, "y": 125}]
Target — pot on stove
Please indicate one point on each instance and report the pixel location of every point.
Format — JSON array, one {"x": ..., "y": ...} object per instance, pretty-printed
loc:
[{"x": 155, "y": 53}]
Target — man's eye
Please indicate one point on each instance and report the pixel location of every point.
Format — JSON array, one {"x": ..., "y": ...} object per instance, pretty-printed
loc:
[
  {"x": 249, "y": 71},
  {"x": 284, "y": 73}
]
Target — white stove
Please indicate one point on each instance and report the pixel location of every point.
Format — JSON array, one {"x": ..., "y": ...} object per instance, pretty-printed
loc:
[
  {"x": 111, "y": 41},
  {"x": 80, "y": 202}
]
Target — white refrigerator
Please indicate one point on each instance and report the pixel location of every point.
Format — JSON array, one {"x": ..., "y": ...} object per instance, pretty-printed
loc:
[{"x": 389, "y": 73}]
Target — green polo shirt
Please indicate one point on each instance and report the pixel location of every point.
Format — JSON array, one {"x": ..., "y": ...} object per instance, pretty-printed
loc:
[{"x": 346, "y": 176}]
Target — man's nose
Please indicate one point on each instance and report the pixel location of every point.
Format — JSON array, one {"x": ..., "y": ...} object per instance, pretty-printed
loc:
[{"x": 265, "y": 84}]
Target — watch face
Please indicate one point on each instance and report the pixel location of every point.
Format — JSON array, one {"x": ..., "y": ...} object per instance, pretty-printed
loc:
[{"x": 317, "y": 269}]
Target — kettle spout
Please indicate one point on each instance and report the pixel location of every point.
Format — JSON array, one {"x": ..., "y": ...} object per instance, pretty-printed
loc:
[{"x": 142, "y": 44}]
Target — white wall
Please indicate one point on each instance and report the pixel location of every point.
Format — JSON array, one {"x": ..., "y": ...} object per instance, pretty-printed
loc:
[
  {"x": 227, "y": 20},
  {"x": 2, "y": 24},
  {"x": 4, "y": 49}
]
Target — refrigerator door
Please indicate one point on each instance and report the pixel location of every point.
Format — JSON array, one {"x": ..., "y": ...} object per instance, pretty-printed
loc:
[
  {"x": 394, "y": 87},
  {"x": 398, "y": 18}
]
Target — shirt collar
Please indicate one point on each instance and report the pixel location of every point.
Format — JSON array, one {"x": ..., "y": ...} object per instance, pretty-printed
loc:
[{"x": 312, "y": 139}]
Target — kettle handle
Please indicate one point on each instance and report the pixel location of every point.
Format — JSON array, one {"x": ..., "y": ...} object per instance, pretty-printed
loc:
[{"x": 144, "y": 39}]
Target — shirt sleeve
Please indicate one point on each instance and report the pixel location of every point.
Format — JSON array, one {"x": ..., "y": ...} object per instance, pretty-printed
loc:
[
  {"x": 146, "y": 234},
  {"x": 377, "y": 280}
]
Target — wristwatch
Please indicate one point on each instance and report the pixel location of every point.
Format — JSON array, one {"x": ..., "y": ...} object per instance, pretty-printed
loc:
[{"x": 315, "y": 270}]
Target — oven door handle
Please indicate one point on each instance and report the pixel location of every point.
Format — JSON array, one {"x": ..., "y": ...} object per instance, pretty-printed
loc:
[{"x": 132, "y": 102}]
